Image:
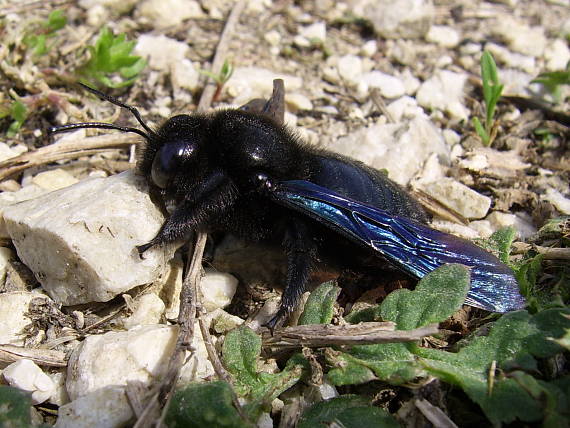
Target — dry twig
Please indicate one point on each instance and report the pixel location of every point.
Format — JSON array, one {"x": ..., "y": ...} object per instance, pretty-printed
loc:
[{"x": 318, "y": 335}]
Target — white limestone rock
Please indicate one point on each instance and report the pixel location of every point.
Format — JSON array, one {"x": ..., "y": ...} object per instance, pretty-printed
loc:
[
  {"x": 557, "y": 55},
  {"x": 520, "y": 221},
  {"x": 10, "y": 198},
  {"x": 314, "y": 32},
  {"x": 54, "y": 179},
  {"x": 389, "y": 86},
  {"x": 521, "y": 37},
  {"x": 6, "y": 254},
  {"x": 457, "y": 196},
  {"x": 14, "y": 306},
  {"x": 107, "y": 407},
  {"x": 407, "y": 19},
  {"x": 444, "y": 91},
  {"x": 388, "y": 146},
  {"x": 296, "y": 102},
  {"x": 115, "y": 358},
  {"x": 27, "y": 376},
  {"x": 80, "y": 241},
  {"x": 147, "y": 309},
  {"x": 218, "y": 289},
  {"x": 161, "y": 52},
  {"x": 443, "y": 35},
  {"x": 350, "y": 69},
  {"x": 168, "y": 13},
  {"x": 557, "y": 199}
]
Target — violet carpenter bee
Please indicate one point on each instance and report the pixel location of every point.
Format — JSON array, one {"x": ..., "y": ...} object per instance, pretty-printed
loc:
[{"x": 242, "y": 171}]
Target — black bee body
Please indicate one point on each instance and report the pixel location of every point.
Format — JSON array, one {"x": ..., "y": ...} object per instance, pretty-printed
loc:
[
  {"x": 215, "y": 184},
  {"x": 242, "y": 171}
]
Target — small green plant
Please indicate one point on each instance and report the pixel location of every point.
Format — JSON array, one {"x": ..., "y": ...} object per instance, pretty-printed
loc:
[
  {"x": 37, "y": 39},
  {"x": 111, "y": 63},
  {"x": 491, "y": 93},
  {"x": 18, "y": 112},
  {"x": 220, "y": 78},
  {"x": 553, "y": 80}
]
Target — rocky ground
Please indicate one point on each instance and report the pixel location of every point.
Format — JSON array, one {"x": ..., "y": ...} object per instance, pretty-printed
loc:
[{"x": 395, "y": 84}]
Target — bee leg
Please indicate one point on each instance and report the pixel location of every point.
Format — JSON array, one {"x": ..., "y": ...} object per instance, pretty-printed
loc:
[
  {"x": 301, "y": 252},
  {"x": 191, "y": 215}
]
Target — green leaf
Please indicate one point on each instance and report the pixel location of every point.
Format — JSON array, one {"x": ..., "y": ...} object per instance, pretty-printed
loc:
[
  {"x": 19, "y": 113},
  {"x": 501, "y": 242},
  {"x": 436, "y": 297},
  {"x": 481, "y": 131},
  {"x": 204, "y": 405},
  {"x": 15, "y": 407},
  {"x": 240, "y": 355},
  {"x": 320, "y": 304},
  {"x": 111, "y": 62},
  {"x": 514, "y": 341},
  {"x": 56, "y": 21},
  {"x": 348, "y": 411}
]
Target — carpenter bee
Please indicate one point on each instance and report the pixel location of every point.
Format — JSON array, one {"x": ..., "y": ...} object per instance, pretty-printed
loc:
[{"x": 242, "y": 171}]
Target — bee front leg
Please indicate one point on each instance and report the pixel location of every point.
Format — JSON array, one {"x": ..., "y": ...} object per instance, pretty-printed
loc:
[{"x": 192, "y": 214}]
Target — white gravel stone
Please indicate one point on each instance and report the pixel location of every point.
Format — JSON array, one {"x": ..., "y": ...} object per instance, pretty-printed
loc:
[
  {"x": 161, "y": 52},
  {"x": 6, "y": 254},
  {"x": 27, "y": 376},
  {"x": 217, "y": 289},
  {"x": 520, "y": 37},
  {"x": 168, "y": 13},
  {"x": 115, "y": 358},
  {"x": 267, "y": 311},
  {"x": 455, "y": 229},
  {"x": 522, "y": 223},
  {"x": 443, "y": 35},
  {"x": 411, "y": 82},
  {"x": 483, "y": 227},
  {"x": 184, "y": 75},
  {"x": 297, "y": 102},
  {"x": 389, "y": 86},
  {"x": 14, "y": 306},
  {"x": 405, "y": 108},
  {"x": 59, "y": 396},
  {"x": 248, "y": 83},
  {"x": 350, "y": 69},
  {"x": 389, "y": 146},
  {"x": 147, "y": 309},
  {"x": 272, "y": 37},
  {"x": 444, "y": 91},
  {"x": 54, "y": 180},
  {"x": 557, "y": 199},
  {"x": 316, "y": 31},
  {"x": 369, "y": 48},
  {"x": 409, "y": 19},
  {"x": 457, "y": 196},
  {"x": 80, "y": 241},
  {"x": 222, "y": 322},
  {"x": 557, "y": 55},
  {"x": 7, "y": 152},
  {"x": 107, "y": 407}
]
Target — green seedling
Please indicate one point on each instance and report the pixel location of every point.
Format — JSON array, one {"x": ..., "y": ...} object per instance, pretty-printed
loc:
[
  {"x": 491, "y": 93},
  {"x": 553, "y": 80},
  {"x": 220, "y": 78},
  {"x": 18, "y": 112},
  {"x": 37, "y": 40},
  {"x": 111, "y": 63}
]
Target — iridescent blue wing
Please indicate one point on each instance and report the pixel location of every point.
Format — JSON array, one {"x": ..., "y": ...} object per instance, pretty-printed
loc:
[{"x": 411, "y": 246}]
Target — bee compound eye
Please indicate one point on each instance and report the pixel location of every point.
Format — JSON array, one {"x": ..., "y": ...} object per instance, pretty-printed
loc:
[{"x": 169, "y": 158}]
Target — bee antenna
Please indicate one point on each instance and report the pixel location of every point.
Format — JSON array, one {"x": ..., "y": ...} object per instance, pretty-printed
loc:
[
  {"x": 100, "y": 125},
  {"x": 115, "y": 101}
]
